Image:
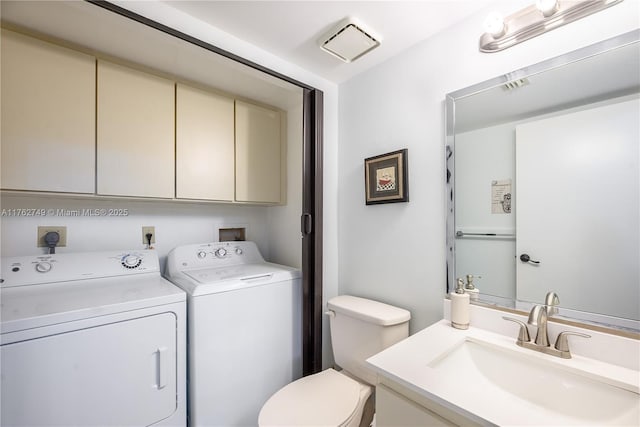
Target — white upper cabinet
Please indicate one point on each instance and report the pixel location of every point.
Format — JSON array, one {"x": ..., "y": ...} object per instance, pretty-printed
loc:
[
  {"x": 204, "y": 145},
  {"x": 135, "y": 133},
  {"x": 48, "y": 116},
  {"x": 76, "y": 124},
  {"x": 259, "y": 154}
]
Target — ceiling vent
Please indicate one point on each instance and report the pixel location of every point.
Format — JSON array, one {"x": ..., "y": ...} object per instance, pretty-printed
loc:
[{"x": 349, "y": 40}]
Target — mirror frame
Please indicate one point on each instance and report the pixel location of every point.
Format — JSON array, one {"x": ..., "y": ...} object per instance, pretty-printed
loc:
[{"x": 611, "y": 324}]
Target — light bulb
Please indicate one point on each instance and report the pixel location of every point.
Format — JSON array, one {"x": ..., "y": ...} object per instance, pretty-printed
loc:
[
  {"x": 547, "y": 7},
  {"x": 494, "y": 25}
]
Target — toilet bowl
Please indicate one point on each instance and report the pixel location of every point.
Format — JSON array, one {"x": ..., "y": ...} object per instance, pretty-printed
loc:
[
  {"x": 360, "y": 328},
  {"x": 328, "y": 398}
]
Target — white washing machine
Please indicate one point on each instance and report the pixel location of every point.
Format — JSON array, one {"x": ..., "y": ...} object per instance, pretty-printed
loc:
[
  {"x": 244, "y": 329},
  {"x": 91, "y": 339}
]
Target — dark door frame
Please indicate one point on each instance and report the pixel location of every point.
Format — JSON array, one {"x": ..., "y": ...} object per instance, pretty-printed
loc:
[{"x": 311, "y": 221}]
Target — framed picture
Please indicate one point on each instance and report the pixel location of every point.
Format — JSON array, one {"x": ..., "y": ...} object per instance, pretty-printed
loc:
[{"x": 385, "y": 178}]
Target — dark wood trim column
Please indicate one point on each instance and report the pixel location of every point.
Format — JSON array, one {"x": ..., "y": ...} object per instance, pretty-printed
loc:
[{"x": 312, "y": 232}]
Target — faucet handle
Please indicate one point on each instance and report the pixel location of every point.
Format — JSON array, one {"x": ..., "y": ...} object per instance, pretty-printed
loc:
[
  {"x": 523, "y": 334},
  {"x": 562, "y": 343}
]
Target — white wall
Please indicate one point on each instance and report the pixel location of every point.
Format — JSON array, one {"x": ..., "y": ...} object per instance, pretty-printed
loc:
[
  {"x": 396, "y": 252},
  {"x": 175, "y": 223}
]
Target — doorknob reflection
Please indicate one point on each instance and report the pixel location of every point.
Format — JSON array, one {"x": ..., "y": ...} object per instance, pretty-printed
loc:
[{"x": 527, "y": 258}]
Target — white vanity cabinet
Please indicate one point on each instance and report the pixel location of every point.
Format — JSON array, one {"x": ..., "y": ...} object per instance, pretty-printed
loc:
[
  {"x": 135, "y": 133},
  {"x": 48, "y": 116},
  {"x": 397, "y": 406},
  {"x": 259, "y": 154},
  {"x": 204, "y": 145}
]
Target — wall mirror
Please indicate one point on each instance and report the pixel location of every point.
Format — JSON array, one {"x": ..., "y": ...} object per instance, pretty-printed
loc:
[{"x": 544, "y": 185}]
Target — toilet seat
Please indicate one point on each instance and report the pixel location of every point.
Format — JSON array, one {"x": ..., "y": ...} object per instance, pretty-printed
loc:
[{"x": 328, "y": 398}]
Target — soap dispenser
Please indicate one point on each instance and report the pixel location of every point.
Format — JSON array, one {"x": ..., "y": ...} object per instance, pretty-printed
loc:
[{"x": 460, "y": 307}]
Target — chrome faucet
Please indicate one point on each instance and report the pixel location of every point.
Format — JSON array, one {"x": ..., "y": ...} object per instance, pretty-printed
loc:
[{"x": 538, "y": 317}]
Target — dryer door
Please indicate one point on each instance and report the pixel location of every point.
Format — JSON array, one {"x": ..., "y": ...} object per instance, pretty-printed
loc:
[{"x": 119, "y": 374}]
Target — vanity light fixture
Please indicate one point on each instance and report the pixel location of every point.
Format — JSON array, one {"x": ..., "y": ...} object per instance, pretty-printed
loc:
[
  {"x": 534, "y": 20},
  {"x": 349, "y": 40},
  {"x": 494, "y": 25}
]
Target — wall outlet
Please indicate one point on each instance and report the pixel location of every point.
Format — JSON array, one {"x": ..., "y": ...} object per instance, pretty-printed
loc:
[
  {"x": 145, "y": 231},
  {"x": 43, "y": 230}
]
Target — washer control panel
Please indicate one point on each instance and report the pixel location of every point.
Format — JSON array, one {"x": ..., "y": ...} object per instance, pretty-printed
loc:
[
  {"x": 217, "y": 254},
  {"x": 40, "y": 269},
  {"x": 220, "y": 251}
]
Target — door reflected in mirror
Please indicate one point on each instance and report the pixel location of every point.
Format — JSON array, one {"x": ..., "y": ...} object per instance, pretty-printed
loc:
[{"x": 544, "y": 179}]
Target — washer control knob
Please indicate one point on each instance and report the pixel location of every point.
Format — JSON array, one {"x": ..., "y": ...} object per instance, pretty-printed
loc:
[
  {"x": 238, "y": 251},
  {"x": 221, "y": 252},
  {"x": 43, "y": 267},
  {"x": 202, "y": 254},
  {"x": 131, "y": 261}
]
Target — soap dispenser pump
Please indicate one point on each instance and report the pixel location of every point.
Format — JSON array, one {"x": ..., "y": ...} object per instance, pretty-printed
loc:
[
  {"x": 460, "y": 307},
  {"x": 470, "y": 288}
]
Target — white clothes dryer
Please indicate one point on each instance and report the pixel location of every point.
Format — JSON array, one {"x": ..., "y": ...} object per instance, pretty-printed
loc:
[
  {"x": 244, "y": 329},
  {"x": 91, "y": 339}
]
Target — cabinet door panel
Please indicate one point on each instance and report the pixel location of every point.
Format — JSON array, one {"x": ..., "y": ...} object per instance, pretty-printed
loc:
[
  {"x": 204, "y": 145},
  {"x": 136, "y": 113},
  {"x": 48, "y": 116},
  {"x": 394, "y": 410},
  {"x": 258, "y": 154}
]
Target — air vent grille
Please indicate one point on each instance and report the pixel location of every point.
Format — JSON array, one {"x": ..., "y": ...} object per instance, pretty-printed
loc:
[{"x": 349, "y": 41}]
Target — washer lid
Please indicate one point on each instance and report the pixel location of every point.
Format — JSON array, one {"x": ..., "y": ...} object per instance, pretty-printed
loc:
[
  {"x": 205, "y": 281},
  {"x": 237, "y": 272},
  {"x": 324, "y": 399}
]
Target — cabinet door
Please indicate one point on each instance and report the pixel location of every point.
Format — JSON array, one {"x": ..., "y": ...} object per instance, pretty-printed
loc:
[
  {"x": 204, "y": 145},
  {"x": 136, "y": 123},
  {"x": 394, "y": 410},
  {"x": 258, "y": 154},
  {"x": 48, "y": 116}
]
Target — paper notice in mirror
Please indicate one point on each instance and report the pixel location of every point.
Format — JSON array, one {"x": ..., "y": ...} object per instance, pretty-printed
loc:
[{"x": 501, "y": 196}]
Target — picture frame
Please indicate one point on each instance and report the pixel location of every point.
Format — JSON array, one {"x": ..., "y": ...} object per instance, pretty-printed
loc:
[{"x": 385, "y": 178}]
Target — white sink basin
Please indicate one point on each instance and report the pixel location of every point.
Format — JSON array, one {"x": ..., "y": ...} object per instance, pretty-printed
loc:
[
  {"x": 486, "y": 379},
  {"x": 538, "y": 387}
]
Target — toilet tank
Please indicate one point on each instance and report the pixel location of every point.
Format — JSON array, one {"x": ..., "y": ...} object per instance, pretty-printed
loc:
[{"x": 361, "y": 328}]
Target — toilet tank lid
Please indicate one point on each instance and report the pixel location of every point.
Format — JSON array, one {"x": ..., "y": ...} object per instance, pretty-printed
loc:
[{"x": 368, "y": 310}]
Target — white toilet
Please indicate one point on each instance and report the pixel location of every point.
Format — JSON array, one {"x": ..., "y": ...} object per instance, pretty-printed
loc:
[{"x": 360, "y": 328}]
